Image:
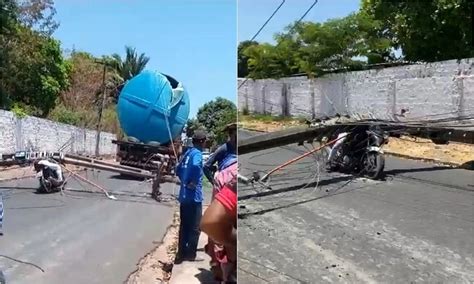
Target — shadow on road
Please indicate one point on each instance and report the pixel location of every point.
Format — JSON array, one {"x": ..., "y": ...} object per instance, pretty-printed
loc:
[
  {"x": 18, "y": 187},
  {"x": 396, "y": 172},
  {"x": 399, "y": 173},
  {"x": 205, "y": 276},
  {"x": 261, "y": 212},
  {"x": 468, "y": 166},
  {"x": 124, "y": 177}
]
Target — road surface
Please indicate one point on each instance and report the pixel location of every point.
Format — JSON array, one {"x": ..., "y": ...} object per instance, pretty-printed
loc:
[
  {"x": 80, "y": 237},
  {"x": 417, "y": 226}
]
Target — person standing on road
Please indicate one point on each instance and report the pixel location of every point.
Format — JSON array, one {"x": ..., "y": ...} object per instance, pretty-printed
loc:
[
  {"x": 223, "y": 155},
  {"x": 190, "y": 173},
  {"x": 218, "y": 253},
  {"x": 220, "y": 224}
]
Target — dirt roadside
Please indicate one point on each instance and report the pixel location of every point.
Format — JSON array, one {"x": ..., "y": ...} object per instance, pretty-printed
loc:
[
  {"x": 456, "y": 154},
  {"x": 157, "y": 265}
]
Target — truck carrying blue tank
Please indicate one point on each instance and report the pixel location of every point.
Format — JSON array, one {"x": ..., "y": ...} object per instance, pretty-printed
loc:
[{"x": 152, "y": 109}]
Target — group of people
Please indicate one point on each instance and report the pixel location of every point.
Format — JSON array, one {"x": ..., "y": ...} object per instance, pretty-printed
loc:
[{"x": 219, "y": 221}]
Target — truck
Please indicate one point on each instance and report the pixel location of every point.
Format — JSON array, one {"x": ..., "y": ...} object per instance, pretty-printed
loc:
[{"x": 152, "y": 109}]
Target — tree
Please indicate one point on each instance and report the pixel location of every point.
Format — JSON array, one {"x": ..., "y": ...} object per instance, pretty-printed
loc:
[
  {"x": 193, "y": 125},
  {"x": 85, "y": 82},
  {"x": 8, "y": 21},
  {"x": 425, "y": 30},
  {"x": 127, "y": 68},
  {"x": 38, "y": 15},
  {"x": 242, "y": 59},
  {"x": 35, "y": 73},
  {"x": 8, "y": 16},
  {"x": 314, "y": 48},
  {"x": 215, "y": 114}
]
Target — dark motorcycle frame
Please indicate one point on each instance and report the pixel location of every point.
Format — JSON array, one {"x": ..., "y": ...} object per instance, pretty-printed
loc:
[
  {"x": 45, "y": 185},
  {"x": 361, "y": 154}
]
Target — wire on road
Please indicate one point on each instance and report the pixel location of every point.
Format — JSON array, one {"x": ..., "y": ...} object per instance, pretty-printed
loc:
[{"x": 22, "y": 262}]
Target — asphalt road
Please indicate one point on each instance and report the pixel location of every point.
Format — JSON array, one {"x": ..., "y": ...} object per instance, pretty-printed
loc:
[
  {"x": 80, "y": 237},
  {"x": 417, "y": 226}
]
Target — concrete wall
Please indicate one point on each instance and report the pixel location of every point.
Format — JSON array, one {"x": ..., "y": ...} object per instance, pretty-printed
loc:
[
  {"x": 36, "y": 134},
  {"x": 429, "y": 91}
]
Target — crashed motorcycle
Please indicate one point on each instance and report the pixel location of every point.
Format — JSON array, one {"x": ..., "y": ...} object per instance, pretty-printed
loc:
[
  {"x": 361, "y": 154},
  {"x": 46, "y": 186}
]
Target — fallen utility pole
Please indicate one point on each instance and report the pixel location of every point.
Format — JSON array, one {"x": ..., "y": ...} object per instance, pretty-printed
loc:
[
  {"x": 99, "y": 162},
  {"x": 141, "y": 174},
  {"x": 438, "y": 134}
]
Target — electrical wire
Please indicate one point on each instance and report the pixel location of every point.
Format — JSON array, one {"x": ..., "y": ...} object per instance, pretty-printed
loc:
[
  {"x": 297, "y": 22},
  {"x": 268, "y": 20},
  {"x": 22, "y": 262},
  {"x": 315, "y": 179}
]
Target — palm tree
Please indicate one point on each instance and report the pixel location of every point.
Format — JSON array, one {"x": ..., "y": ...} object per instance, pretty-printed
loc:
[{"x": 126, "y": 69}]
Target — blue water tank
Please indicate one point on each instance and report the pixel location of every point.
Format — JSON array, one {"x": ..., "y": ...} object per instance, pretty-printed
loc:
[{"x": 148, "y": 102}]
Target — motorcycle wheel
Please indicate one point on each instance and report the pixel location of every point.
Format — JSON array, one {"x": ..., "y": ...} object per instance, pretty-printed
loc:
[
  {"x": 45, "y": 186},
  {"x": 374, "y": 164}
]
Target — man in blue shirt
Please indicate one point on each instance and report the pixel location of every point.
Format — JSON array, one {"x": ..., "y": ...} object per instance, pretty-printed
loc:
[
  {"x": 190, "y": 173},
  {"x": 223, "y": 155}
]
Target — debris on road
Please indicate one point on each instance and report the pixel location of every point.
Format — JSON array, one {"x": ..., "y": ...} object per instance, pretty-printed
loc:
[{"x": 459, "y": 154}]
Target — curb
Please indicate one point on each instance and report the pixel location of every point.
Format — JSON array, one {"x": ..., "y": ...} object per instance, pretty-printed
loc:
[{"x": 428, "y": 160}]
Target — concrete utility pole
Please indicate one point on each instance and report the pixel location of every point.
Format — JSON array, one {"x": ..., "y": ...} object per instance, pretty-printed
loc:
[{"x": 101, "y": 108}]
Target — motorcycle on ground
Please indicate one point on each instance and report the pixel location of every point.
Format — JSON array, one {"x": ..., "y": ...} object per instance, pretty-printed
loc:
[{"x": 361, "y": 154}]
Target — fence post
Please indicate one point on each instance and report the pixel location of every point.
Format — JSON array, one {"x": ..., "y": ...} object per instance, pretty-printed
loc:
[{"x": 284, "y": 100}]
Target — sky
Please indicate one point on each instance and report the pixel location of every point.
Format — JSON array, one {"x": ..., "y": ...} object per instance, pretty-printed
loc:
[
  {"x": 193, "y": 41},
  {"x": 252, "y": 15}
]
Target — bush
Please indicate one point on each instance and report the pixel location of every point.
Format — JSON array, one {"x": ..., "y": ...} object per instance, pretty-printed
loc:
[
  {"x": 64, "y": 115},
  {"x": 19, "y": 111}
]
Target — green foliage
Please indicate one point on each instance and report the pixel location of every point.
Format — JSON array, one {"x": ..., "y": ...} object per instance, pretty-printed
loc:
[
  {"x": 265, "y": 117},
  {"x": 126, "y": 68},
  {"x": 19, "y": 111},
  {"x": 229, "y": 116},
  {"x": 36, "y": 72},
  {"x": 193, "y": 125},
  {"x": 214, "y": 115},
  {"x": 110, "y": 121},
  {"x": 38, "y": 15},
  {"x": 425, "y": 30},
  {"x": 85, "y": 82},
  {"x": 67, "y": 116},
  {"x": 242, "y": 59},
  {"x": 8, "y": 12},
  {"x": 313, "y": 48}
]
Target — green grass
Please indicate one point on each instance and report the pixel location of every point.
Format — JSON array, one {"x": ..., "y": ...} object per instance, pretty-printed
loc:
[{"x": 269, "y": 118}]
